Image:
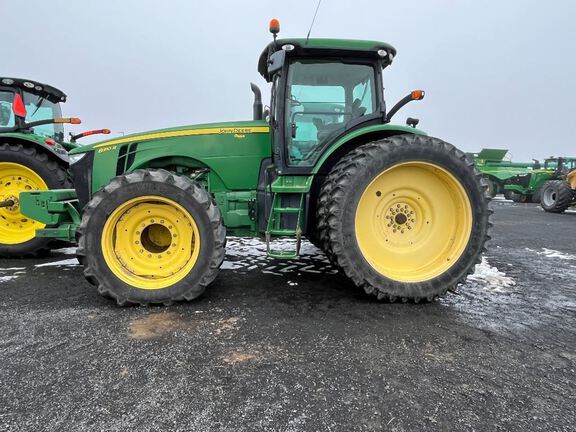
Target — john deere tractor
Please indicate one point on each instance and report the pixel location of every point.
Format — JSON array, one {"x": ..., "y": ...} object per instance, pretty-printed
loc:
[
  {"x": 33, "y": 157},
  {"x": 403, "y": 214},
  {"x": 559, "y": 194},
  {"x": 529, "y": 186}
]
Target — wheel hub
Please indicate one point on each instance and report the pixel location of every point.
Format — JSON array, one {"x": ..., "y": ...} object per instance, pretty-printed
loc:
[
  {"x": 400, "y": 218},
  {"x": 150, "y": 242},
  {"x": 16, "y": 228},
  {"x": 413, "y": 221}
]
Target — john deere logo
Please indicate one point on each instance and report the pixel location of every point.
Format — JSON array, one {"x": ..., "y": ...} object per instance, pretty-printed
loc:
[{"x": 235, "y": 131}]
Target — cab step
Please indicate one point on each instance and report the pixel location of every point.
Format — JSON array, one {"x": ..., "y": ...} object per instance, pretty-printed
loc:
[{"x": 276, "y": 226}]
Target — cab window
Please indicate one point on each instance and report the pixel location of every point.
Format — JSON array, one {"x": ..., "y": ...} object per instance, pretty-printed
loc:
[
  {"x": 38, "y": 108},
  {"x": 6, "y": 114},
  {"x": 322, "y": 98}
]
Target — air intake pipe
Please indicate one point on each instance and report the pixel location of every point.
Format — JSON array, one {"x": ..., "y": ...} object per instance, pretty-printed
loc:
[{"x": 257, "y": 107}]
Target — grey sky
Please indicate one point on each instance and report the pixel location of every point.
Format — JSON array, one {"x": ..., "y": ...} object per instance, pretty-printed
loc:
[{"x": 497, "y": 73}]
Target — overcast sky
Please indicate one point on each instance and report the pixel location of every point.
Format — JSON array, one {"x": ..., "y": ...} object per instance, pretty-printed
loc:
[{"x": 498, "y": 73}]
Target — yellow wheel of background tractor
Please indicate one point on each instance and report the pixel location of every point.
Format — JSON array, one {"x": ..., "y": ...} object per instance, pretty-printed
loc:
[
  {"x": 405, "y": 217},
  {"x": 16, "y": 228},
  {"x": 24, "y": 168},
  {"x": 151, "y": 236}
]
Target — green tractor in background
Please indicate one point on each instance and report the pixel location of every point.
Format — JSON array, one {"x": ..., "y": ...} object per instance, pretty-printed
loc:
[
  {"x": 560, "y": 194},
  {"x": 499, "y": 172},
  {"x": 529, "y": 187},
  {"x": 33, "y": 157},
  {"x": 404, "y": 215}
]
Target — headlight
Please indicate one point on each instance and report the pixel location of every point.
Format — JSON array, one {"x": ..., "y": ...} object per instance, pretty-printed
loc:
[{"x": 76, "y": 157}]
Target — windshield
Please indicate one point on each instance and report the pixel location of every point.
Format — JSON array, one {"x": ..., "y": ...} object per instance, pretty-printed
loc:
[
  {"x": 38, "y": 108},
  {"x": 551, "y": 164},
  {"x": 322, "y": 99}
]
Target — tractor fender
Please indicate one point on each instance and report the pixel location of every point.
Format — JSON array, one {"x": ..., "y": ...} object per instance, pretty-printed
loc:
[
  {"x": 166, "y": 161},
  {"x": 356, "y": 138},
  {"x": 571, "y": 178},
  {"x": 56, "y": 151}
]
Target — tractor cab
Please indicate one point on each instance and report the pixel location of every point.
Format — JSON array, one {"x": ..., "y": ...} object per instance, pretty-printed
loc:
[
  {"x": 560, "y": 164},
  {"x": 32, "y": 108},
  {"x": 25, "y": 103},
  {"x": 322, "y": 90}
]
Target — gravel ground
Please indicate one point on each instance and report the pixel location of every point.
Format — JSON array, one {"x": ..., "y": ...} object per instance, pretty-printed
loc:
[{"x": 293, "y": 346}]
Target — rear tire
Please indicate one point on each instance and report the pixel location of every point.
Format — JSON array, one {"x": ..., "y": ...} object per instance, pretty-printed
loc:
[
  {"x": 492, "y": 187},
  {"x": 537, "y": 195},
  {"x": 24, "y": 167},
  {"x": 151, "y": 237},
  {"x": 516, "y": 197},
  {"x": 556, "y": 196},
  {"x": 367, "y": 249}
]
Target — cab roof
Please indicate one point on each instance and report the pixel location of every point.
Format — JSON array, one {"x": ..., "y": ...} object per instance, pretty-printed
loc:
[
  {"x": 43, "y": 90},
  {"x": 326, "y": 47}
]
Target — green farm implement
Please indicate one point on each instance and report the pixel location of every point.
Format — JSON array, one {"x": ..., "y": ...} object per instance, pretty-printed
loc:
[
  {"x": 499, "y": 172},
  {"x": 33, "y": 157},
  {"x": 403, "y": 214}
]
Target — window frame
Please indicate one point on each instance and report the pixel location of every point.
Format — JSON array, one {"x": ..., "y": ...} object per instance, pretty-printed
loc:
[
  {"x": 280, "y": 148},
  {"x": 16, "y": 119}
]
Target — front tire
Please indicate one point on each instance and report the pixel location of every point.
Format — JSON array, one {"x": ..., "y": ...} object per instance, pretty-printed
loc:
[
  {"x": 151, "y": 237},
  {"x": 25, "y": 168},
  {"x": 556, "y": 196},
  {"x": 407, "y": 217}
]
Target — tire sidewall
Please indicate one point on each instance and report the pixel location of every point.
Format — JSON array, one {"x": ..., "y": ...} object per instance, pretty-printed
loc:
[
  {"x": 93, "y": 238},
  {"x": 417, "y": 151},
  {"x": 29, "y": 161}
]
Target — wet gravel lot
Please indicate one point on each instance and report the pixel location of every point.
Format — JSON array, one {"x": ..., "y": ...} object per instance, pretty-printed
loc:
[{"x": 293, "y": 346}]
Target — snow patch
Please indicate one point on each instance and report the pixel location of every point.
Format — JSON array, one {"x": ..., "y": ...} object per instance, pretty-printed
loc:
[
  {"x": 227, "y": 265},
  {"x": 7, "y": 278},
  {"x": 551, "y": 253},
  {"x": 249, "y": 254},
  {"x": 65, "y": 251},
  {"x": 68, "y": 262},
  {"x": 491, "y": 277}
]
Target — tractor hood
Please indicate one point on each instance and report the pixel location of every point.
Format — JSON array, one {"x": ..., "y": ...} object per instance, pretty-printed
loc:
[{"x": 234, "y": 128}]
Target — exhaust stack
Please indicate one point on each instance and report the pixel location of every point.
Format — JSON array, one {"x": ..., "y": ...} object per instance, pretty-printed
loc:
[{"x": 257, "y": 107}]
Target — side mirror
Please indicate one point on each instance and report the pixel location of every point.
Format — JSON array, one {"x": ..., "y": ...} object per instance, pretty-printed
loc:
[{"x": 276, "y": 61}]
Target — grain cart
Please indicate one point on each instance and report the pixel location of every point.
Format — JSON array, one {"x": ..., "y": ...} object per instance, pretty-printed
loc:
[
  {"x": 404, "y": 215},
  {"x": 33, "y": 156},
  {"x": 497, "y": 171}
]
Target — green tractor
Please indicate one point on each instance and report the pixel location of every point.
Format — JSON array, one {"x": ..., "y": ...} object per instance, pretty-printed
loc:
[
  {"x": 529, "y": 187},
  {"x": 33, "y": 157},
  {"x": 560, "y": 194},
  {"x": 497, "y": 171},
  {"x": 404, "y": 215}
]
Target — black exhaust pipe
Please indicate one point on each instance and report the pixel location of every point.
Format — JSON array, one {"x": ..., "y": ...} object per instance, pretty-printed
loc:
[{"x": 257, "y": 107}]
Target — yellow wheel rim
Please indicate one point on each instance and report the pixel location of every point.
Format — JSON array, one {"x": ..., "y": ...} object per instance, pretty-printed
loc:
[
  {"x": 413, "y": 222},
  {"x": 16, "y": 228},
  {"x": 150, "y": 242}
]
